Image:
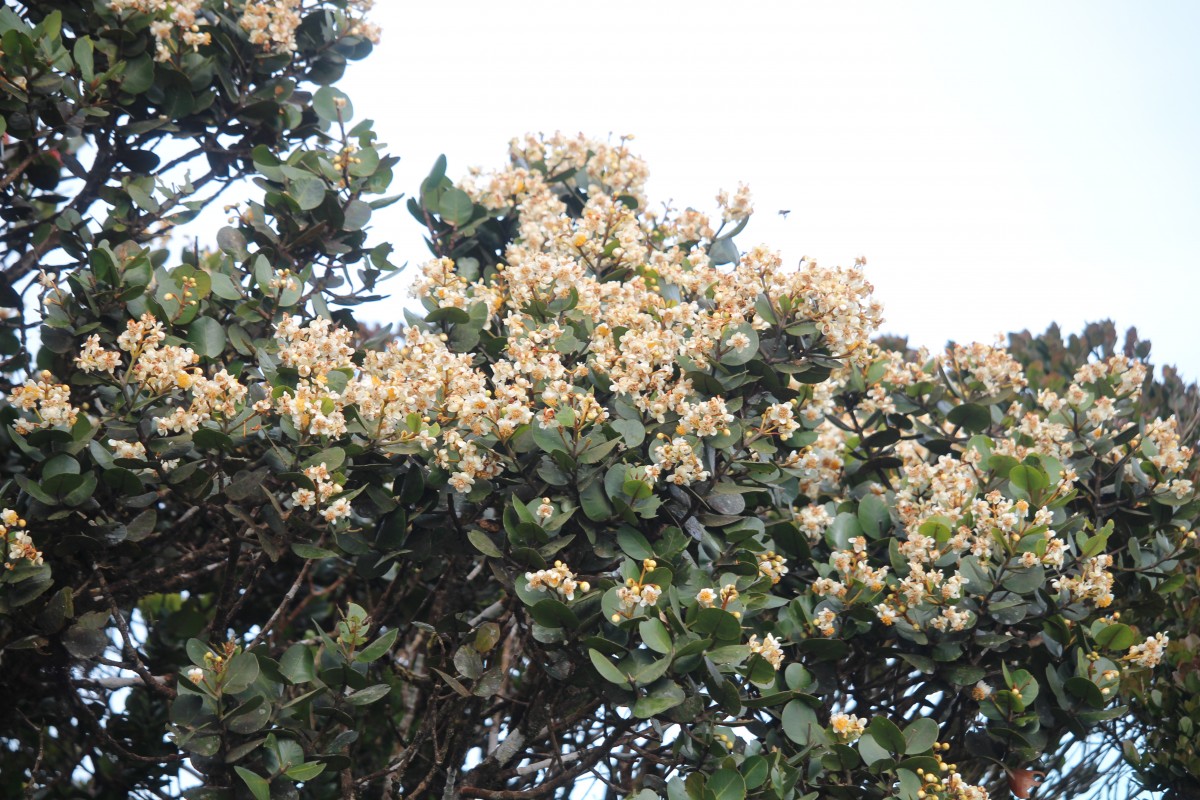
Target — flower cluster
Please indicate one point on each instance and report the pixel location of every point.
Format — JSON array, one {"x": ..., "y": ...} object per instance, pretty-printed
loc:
[
  {"x": 95, "y": 358},
  {"x": 1150, "y": 652},
  {"x": 947, "y": 783},
  {"x": 983, "y": 370},
  {"x": 611, "y": 166},
  {"x": 272, "y": 24},
  {"x": 847, "y": 727},
  {"x": 1094, "y": 582},
  {"x": 48, "y": 404},
  {"x": 708, "y": 418},
  {"x": 768, "y": 648},
  {"x": 738, "y": 207},
  {"x": 124, "y": 449},
  {"x": 558, "y": 578},
  {"x": 708, "y": 598},
  {"x": 812, "y": 520},
  {"x": 637, "y": 592},
  {"x": 20, "y": 545},
  {"x": 778, "y": 420},
  {"x": 826, "y": 621},
  {"x": 680, "y": 458},
  {"x": 634, "y": 595},
  {"x": 325, "y": 487},
  {"x": 772, "y": 565},
  {"x": 171, "y": 18}
]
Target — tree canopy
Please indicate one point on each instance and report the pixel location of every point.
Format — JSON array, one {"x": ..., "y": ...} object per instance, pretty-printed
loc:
[{"x": 623, "y": 505}]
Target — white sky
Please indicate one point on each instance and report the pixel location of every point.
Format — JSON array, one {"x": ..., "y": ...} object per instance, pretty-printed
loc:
[{"x": 1001, "y": 166}]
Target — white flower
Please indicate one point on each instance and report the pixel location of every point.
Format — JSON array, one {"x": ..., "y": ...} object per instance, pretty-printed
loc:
[
  {"x": 1150, "y": 652},
  {"x": 847, "y": 727},
  {"x": 558, "y": 578},
  {"x": 769, "y": 649}
]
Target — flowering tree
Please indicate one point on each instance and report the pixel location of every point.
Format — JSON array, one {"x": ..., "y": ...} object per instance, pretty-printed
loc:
[
  {"x": 1158, "y": 734},
  {"x": 624, "y": 504}
]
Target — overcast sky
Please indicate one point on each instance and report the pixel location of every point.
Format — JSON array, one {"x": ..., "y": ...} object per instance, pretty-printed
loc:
[{"x": 1000, "y": 166}]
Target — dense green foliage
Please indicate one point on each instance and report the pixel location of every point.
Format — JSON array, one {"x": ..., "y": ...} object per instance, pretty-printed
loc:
[{"x": 623, "y": 504}]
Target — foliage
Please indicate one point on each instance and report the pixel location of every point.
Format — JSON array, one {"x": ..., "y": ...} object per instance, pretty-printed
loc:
[
  {"x": 1159, "y": 734},
  {"x": 623, "y": 501},
  {"x": 105, "y": 103}
]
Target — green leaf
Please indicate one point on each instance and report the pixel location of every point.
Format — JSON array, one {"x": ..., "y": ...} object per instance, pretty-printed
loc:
[
  {"x": 308, "y": 193},
  {"x": 649, "y": 673},
  {"x": 661, "y": 697},
  {"x": 870, "y": 750},
  {"x": 1117, "y": 636},
  {"x": 138, "y": 75},
  {"x": 1027, "y": 478},
  {"x": 797, "y": 677},
  {"x": 718, "y": 623},
  {"x": 910, "y": 784},
  {"x": 873, "y": 516},
  {"x": 455, "y": 207},
  {"x": 332, "y": 104},
  {"x": 920, "y": 736},
  {"x": 487, "y": 637},
  {"x": 83, "y": 491},
  {"x": 311, "y": 551},
  {"x": 230, "y": 240},
  {"x": 377, "y": 648},
  {"x": 85, "y": 58},
  {"x": 607, "y": 669},
  {"x": 798, "y": 721},
  {"x": 368, "y": 695},
  {"x": 260, "y": 787},
  {"x": 82, "y": 641},
  {"x": 1025, "y": 581},
  {"x": 59, "y": 609},
  {"x": 923, "y": 663},
  {"x": 554, "y": 614},
  {"x": 207, "y": 337},
  {"x": 597, "y": 453},
  {"x": 723, "y": 251},
  {"x": 655, "y": 635},
  {"x": 887, "y": 735},
  {"x": 298, "y": 664},
  {"x": 196, "y": 651},
  {"x": 963, "y": 674},
  {"x": 594, "y": 502},
  {"x": 1172, "y": 584},
  {"x": 332, "y": 458},
  {"x": 725, "y": 784},
  {"x": 468, "y": 662},
  {"x": 971, "y": 416},
  {"x": 483, "y": 543},
  {"x": 1097, "y": 543},
  {"x": 453, "y": 683},
  {"x": 1085, "y": 690},
  {"x": 357, "y": 215},
  {"x": 240, "y": 672},
  {"x": 632, "y": 431},
  {"x": 61, "y": 464},
  {"x": 305, "y": 772},
  {"x": 633, "y": 543}
]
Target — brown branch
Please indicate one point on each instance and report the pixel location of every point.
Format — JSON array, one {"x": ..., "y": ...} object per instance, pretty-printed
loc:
[{"x": 130, "y": 651}]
